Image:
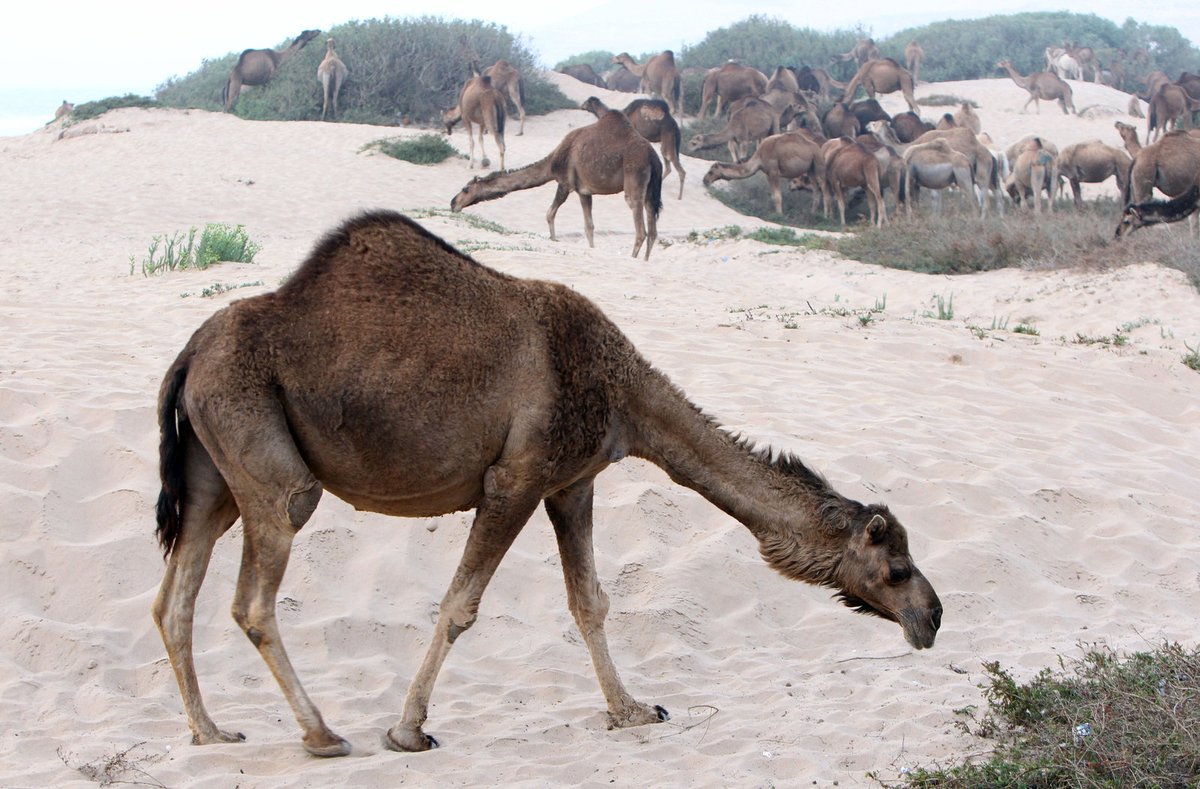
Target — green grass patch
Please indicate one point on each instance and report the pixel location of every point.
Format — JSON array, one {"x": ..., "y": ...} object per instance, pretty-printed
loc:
[
  {"x": 94, "y": 109},
  {"x": 217, "y": 243},
  {"x": 946, "y": 100},
  {"x": 1101, "y": 720},
  {"x": 1026, "y": 328},
  {"x": 422, "y": 149},
  {"x": 1192, "y": 358}
]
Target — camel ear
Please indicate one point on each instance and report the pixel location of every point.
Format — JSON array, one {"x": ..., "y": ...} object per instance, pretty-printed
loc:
[{"x": 876, "y": 529}]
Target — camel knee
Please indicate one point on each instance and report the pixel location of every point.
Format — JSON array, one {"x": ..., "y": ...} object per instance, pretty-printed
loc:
[
  {"x": 302, "y": 503},
  {"x": 459, "y": 617}
]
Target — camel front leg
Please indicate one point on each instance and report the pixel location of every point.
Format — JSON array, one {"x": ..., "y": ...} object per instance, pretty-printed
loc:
[
  {"x": 484, "y": 161},
  {"x": 506, "y": 507},
  {"x": 585, "y": 202},
  {"x": 570, "y": 511},
  {"x": 560, "y": 197}
]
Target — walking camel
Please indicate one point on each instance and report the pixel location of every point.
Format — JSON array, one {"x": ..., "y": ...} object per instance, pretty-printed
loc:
[
  {"x": 652, "y": 119},
  {"x": 729, "y": 83},
  {"x": 605, "y": 158},
  {"x": 257, "y": 66},
  {"x": 914, "y": 56},
  {"x": 479, "y": 104},
  {"x": 331, "y": 73},
  {"x": 883, "y": 75},
  {"x": 780, "y": 157},
  {"x": 658, "y": 75},
  {"x": 1042, "y": 86},
  {"x": 508, "y": 80},
  {"x": 324, "y": 385}
]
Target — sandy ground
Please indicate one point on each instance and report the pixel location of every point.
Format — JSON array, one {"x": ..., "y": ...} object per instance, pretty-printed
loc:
[{"x": 1049, "y": 487}]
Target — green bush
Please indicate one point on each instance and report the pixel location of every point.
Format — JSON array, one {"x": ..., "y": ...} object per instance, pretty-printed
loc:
[
  {"x": 94, "y": 109},
  {"x": 218, "y": 243},
  {"x": 424, "y": 149}
]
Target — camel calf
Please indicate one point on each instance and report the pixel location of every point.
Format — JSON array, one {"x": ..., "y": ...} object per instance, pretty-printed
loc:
[{"x": 479, "y": 104}]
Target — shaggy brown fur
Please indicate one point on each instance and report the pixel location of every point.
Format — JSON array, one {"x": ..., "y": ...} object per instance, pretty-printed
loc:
[
  {"x": 652, "y": 119},
  {"x": 407, "y": 379}
]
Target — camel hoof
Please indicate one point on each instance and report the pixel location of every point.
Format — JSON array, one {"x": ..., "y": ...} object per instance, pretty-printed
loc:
[
  {"x": 638, "y": 716},
  {"x": 218, "y": 736},
  {"x": 330, "y": 745},
  {"x": 409, "y": 742},
  {"x": 663, "y": 715}
]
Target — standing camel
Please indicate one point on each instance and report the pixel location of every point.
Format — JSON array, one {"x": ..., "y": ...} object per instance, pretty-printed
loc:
[
  {"x": 331, "y": 73},
  {"x": 257, "y": 66},
  {"x": 1093, "y": 162},
  {"x": 1171, "y": 165},
  {"x": 479, "y": 104},
  {"x": 325, "y": 384},
  {"x": 658, "y": 76},
  {"x": 1086, "y": 58},
  {"x": 914, "y": 56},
  {"x": 1034, "y": 170},
  {"x": 1042, "y": 86},
  {"x": 63, "y": 109},
  {"x": 781, "y": 156},
  {"x": 864, "y": 50},
  {"x": 963, "y": 140},
  {"x": 852, "y": 166},
  {"x": 508, "y": 80},
  {"x": 652, "y": 119},
  {"x": 935, "y": 165},
  {"x": 883, "y": 75},
  {"x": 606, "y": 158},
  {"x": 1169, "y": 106},
  {"x": 729, "y": 83}
]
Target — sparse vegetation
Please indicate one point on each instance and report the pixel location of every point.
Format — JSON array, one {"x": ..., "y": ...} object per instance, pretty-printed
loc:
[
  {"x": 1100, "y": 721},
  {"x": 218, "y": 243},
  {"x": 118, "y": 768},
  {"x": 423, "y": 149},
  {"x": 1192, "y": 358},
  {"x": 1026, "y": 328},
  {"x": 94, "y": 109},
  {"x": 946, "y": 100}
]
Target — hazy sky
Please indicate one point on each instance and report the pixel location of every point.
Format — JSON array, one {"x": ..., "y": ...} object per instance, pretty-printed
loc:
[{"x": 82, "y": 51}]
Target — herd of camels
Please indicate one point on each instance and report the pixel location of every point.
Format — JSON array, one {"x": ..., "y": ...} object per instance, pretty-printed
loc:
[{"x": 547, "y": 393}]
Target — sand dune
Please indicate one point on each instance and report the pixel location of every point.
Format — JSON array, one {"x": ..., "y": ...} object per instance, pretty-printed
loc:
[{"x": 1049, "y": 487}]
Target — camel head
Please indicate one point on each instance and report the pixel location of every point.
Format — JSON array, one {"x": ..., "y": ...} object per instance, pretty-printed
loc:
[
  {"x": 594, "y": 106},
  {"x": 1004, "y": 64},
  {"x": 877, "y": 576},
  {"x": 1154, "y": 212},
  {"x": 305, "y": 37}
]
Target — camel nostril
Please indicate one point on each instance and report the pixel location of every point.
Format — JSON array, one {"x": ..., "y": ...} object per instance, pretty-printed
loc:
[{"x": 936, "y": 615}]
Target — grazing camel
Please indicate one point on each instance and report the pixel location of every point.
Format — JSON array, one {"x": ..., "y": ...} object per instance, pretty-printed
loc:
[
  {"x": 935, "y": 165},
  {"x": 584, "y": 73},
  {"x": 658, "y": 76},
  {"x": 748, "y": 123},
  {"x": 729, "y": 83},
  {"x": 257, "y": 66},
  {"x": 852, "y": 166},
  {"x": 1033, "y": 171},
  {"x": 983, "y": 163},
  {"x": 652, "y": 119},
  {"x": 1171, "y": 165},
  {"x": 1169, "y": 106},
  {"x": 864, "y": 50},
  {"x": 63, "y": 109},
  {"x": 623, "y": 80},
  {"x": 479, "y": 104},
  {"x": 1153, "y": 212},
  {"x": 331, "y": 74},
  {"x": 883, "y": 75},
  {"x": 508, "y": 80},
  {"x": 1042, "y": 86},
  {"x": 780, "y": 156},
  {"x": 914, "y": 56},
  {"x": 325, "y": 384},
  {"x": 1093, "y": 162},
  {"x": 606, "y": 158}
]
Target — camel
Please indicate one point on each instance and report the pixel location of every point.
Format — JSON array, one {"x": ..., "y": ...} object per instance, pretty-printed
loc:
[
  {"x": 883, "y": 75},
  {"x": 850, "y": 166},
  {"x": 508, "y": 80},
  {"x": 783, "y": 79},
  {"x": 729, "y": 83},
  {"x": 658, "y": 76},
  {"x": 1042, "y": 86},
  {"x": 966, "y": 117},
  {"x": 1086, "y": 58},
  {"x": 585, "y": 74},
  {"x": 983, "y": 163},
  {"x": 891, "y": 168},
  {"x": 748, "y": 123},
  {"x": 325, "y": 384},
  {"x": 935, "y": 165},
  {"x": 780, "y": 156},
  {"x": 1171, "y": 165},
  {"x": 818, "y": 81},
  {"x": 914, "y": 56},
  {"x": 1062, "y": 64},
  {"x": 1154, "y": 81},
  {"x": 1153, "y": 212},
  {"x": 1135, "y": 107},
  {"x": 652, "y": 119},
  {"x": 479, "y": 104},
  {"x": 331, "y": 74},
  {"x": 608, "y": 157},
  {"x": 863, "y": 51},
  {"x": 1093, "y": 162},
  {"x": 839, "y": 121},
  {"x": 1033, "y": 170},
  {"x": 63, "y": 109},
  {"x": 257, "y": 66},
  {"x": 908, "y": 126},
  {"x": 1169, "y": 105},
  {"x": 623, "y": 80}
]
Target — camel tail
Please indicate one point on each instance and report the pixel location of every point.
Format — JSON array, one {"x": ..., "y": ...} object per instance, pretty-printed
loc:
[
  {"x": 171, "y": 469},
  {"x": 654, "y": 188}
]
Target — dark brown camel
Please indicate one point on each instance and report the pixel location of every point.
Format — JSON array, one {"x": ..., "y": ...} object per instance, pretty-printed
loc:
[
  {"x": 257, "y": 66},
  {"x": 1154, "y": 212},
  {"x": 584, "y": 73},
  {"x": 606, "y": 158},
  {"x": 652, "y": 119},
  {"x": 325, "y": 384}
]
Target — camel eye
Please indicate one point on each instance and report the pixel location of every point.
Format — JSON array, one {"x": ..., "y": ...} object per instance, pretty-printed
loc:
[{"x": 898, "y": 575}]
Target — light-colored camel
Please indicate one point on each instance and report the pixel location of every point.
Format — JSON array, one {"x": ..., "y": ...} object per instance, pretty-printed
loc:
[
  {"x": 1154, "y": 212},
  {"x": 883, "y": 75},
  {"x": 779, "y": 157},
  {"x": 257, "y": 66},
  {"x": 1042, "y": 86},
  {"x": 914, "y": 56},
  {"x": 652, "y": 119},
  {"x": 508, "y": 80},
  {"x": 1086, "y": 58},
  {"x": 331, "y": 74},
  {"x": 1135, "y": 107},
  {"x": 479, "y": 104},
  {"x": 783, "y": 79},
  {"x": 748, "y": 123},
  {"x": 935, "y": 165},
  {"x": 1033, "y": 171},
  {"x": 849, "y": 166},
  {"x": 727, "y": 84},
  {"x": 864, "y": 50},
  {"x": 658, "y": 76},
  {"x": 605, "y": 158},
  {"x": 1169, "y": 106},
  {"x": 325, "y": 384},
  {"x": 983, "y": 163},
  {"x": 1062, "y": 64},
  {"x": 63, "y": 109},
  {"x": 966, "y": 117},
  {"x": 1093, "y": 162}
]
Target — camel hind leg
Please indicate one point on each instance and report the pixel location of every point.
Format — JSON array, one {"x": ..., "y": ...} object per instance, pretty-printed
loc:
[
  {"x": 570, "y": 512},
  {"x": 589, "y": 228}
]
